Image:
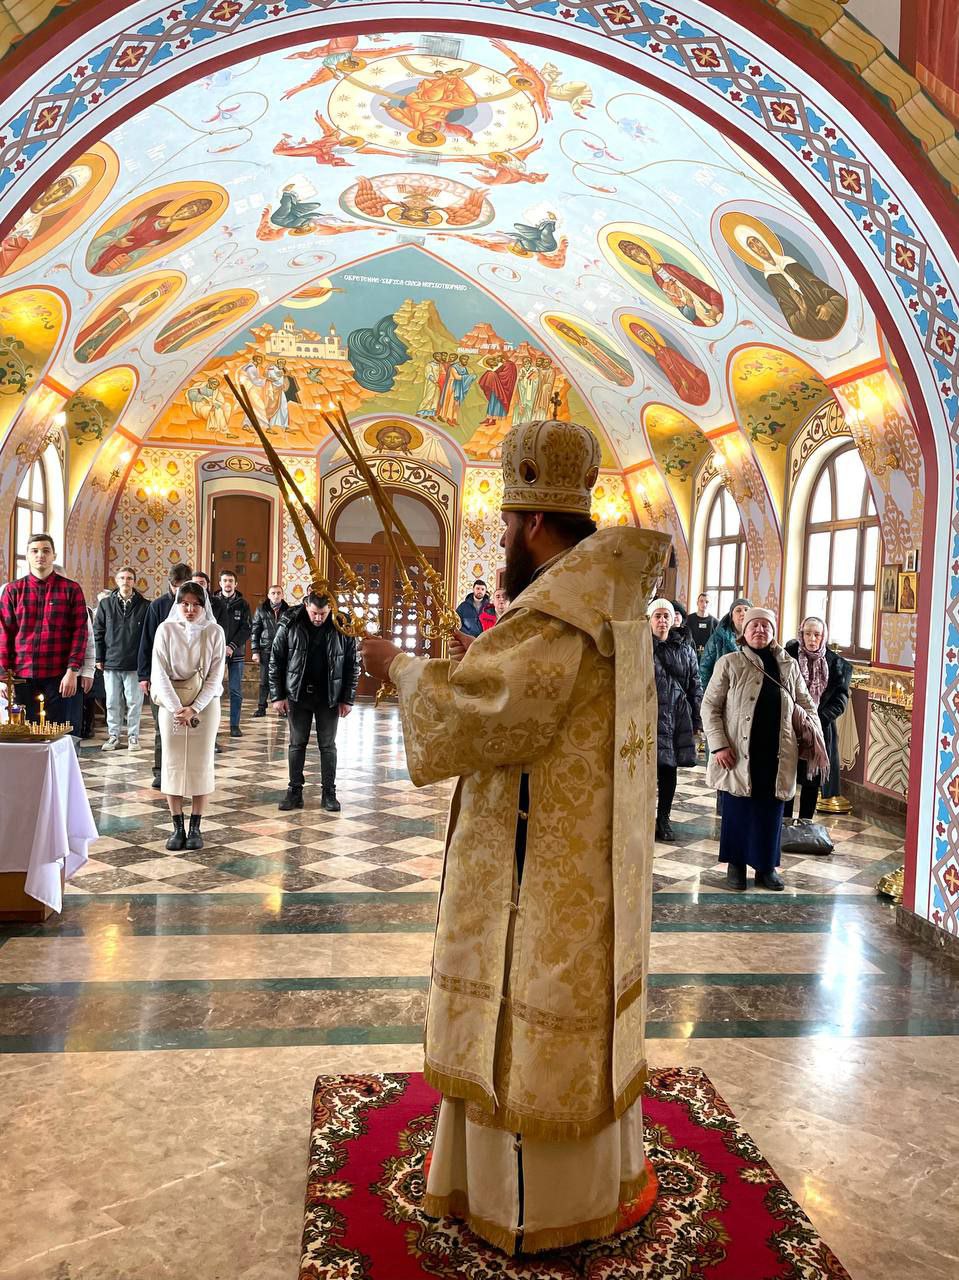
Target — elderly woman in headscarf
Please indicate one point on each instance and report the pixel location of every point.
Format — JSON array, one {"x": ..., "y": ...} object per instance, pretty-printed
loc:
[
  {"x": 186, "y": 680},
  {"x": 827, "y": 678},
  {"x": 679, "y": 694},
  {"x": 755, "y": 711}
]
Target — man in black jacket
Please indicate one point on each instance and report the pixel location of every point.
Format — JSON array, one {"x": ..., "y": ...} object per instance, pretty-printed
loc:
[
  {"x": 701, "y": 624},
  {"x": 157, "y": 612},
  {"x": 313, "y": 676},
  {"x": 237, "y": 623},
  {"x": 265, "y": 622},
  {"x": 116, "y": 634},
  {"x": 216, "y": 604}
]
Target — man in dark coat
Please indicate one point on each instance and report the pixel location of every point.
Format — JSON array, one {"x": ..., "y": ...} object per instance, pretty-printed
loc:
[
  {"x": 313, "y": 677},
  {"x": 265, "y": 622},
  {"x": 116, "y": 634},
  {"x": 469, "y": 611},
  {"x": 237, "y": 623},
  {"x": 701, "y": 624},
  {"x": 157, "y": 611},
  {"x": 679, "y": 694}
]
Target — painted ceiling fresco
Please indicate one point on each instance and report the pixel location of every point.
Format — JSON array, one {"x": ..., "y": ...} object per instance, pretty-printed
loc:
[{"x": 457, "y": 230}]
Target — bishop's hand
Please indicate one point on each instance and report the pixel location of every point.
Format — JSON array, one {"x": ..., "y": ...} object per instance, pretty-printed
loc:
[{"x": 377, "y": 654}]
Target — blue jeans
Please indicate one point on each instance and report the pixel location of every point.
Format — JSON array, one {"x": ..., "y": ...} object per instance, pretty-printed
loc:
[{"x": 235, "y": 669}]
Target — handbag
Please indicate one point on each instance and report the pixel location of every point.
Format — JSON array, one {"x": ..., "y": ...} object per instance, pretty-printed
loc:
[
  {"x": 809, "y": 838},
  {"x": 811, "y": 745}
]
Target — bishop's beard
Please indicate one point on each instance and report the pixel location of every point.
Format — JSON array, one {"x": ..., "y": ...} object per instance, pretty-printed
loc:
[{"x": 520, "y": 567}]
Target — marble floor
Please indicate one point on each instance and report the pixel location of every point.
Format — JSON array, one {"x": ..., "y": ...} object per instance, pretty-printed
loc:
[{"x": 159, "y": 1041}]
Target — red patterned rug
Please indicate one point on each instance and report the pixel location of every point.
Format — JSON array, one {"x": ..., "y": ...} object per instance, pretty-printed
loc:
[{"x": 721, "y": 1214}]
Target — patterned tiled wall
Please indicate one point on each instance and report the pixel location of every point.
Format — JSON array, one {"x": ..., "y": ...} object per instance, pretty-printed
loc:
[
  {"x": 887, "y": 749},
  {"x": 153, "y": 540},
  {"x": 294, "y": 571},
  {"x": 479, "y": 554}
]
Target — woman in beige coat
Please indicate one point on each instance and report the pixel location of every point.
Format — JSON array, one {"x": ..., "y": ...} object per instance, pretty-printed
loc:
[{"x": 747, "y": 716}]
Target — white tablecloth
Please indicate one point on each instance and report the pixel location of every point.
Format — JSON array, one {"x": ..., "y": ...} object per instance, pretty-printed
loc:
[{"x": 45, "y": 818}]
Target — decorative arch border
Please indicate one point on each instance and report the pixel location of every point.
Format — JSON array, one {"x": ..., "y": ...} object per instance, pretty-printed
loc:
[{"x": 850, "y": 169}]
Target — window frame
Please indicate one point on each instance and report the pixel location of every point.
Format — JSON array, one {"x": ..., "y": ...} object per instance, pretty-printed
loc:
[
  {"x": 860, "y": 586},
  {"x": 18, "y": 559},
  {"x": 738, "y": 539}
]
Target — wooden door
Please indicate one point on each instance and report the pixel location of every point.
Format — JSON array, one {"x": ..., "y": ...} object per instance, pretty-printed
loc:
[
  {"x": 241, "y": 543},
  {"x": 374, "y": 561}
]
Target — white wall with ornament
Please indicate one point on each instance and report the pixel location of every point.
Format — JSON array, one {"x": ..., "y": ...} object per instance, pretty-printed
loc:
[{"x": 155, "y": 523}]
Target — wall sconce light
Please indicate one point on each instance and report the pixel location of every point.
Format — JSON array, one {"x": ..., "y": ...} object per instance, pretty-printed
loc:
[
  {"x": 731, "y": 465},
  {"x": 156, "y": 502},
  {"x": 609, "y": 509},
  {"x": 24, "y": 450},
  {"x": 477, "y": 509},
  {"x": 104, "y": 486},
  {"x": 654, "y": 511},
  {"x": 858, "y": 419}
]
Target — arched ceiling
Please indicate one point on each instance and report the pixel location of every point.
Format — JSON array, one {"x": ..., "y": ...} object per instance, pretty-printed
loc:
[{"x": 568, "y": 232}]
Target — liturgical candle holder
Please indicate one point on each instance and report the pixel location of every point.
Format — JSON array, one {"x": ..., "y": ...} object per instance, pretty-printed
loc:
[{"x": 352, "y": 615}]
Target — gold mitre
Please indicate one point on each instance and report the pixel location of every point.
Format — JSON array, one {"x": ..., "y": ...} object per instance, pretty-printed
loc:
[{"x": 550, "y": 466}]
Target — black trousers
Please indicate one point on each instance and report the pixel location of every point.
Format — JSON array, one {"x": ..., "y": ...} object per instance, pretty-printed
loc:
[
  {"x": 264, "y": 697},
  {"x": 58, "y": 710},
  {"x": 301, "y": 719},
  {"x": 157, "y": 740},
  {"x": 665, "y": 789},
  {"x": 808, "y": 789}
]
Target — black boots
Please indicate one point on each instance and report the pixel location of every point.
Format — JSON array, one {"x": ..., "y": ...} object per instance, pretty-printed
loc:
[
  {"x": 770, "y": 880},
  {"x": 194, "y": 840},
  {"x": 292, "y": 800},
  {"x": 329, "y": 801},
  {"x": 177, "y": 841},
  {"x": 736, "y": 875},
  {"x": 664, "y": 830},
  {"x": 259, "y": 713},
  {"x": 155, "y": 784}
]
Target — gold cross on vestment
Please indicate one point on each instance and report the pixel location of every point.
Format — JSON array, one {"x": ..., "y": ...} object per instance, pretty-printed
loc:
[{"x": 635, "y": 746}]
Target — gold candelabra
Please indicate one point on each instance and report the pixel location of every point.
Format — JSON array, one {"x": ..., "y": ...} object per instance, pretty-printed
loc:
[
  {"x": 19, "y": 729},
  {"x": 353, "y": 616}
]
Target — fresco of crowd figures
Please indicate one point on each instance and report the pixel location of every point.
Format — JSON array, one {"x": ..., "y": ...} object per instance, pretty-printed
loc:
[
  {"x": 375, "y": 341},
  {"x": 478, "y": 153}
]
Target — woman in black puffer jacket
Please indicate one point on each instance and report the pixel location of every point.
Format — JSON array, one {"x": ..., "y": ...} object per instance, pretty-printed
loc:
[{"x": 679, "y": 694}]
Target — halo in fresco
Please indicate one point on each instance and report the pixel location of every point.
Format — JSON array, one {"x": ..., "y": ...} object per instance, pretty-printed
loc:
[
  {"x": 202, "y": 319},
  {"x": 417, "y": 103},
  {"x": 669, "y": 359},
  {"x": 60, "y": 208},
  {"x": 665, "y": 272},
  {"x": 782, "y": 267},
  {"x": 590, "y": 346},
  {"x": 31, "y": 322},
  {"x": 424, "y": 201},
  {"x": 125, "y": 312},
  {"x": 153, "y": 225}
]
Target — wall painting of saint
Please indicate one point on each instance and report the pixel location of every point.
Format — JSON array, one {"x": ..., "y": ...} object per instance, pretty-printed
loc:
[
  {"x": 664, "y": 271},
  {"x": 783, "y": 269},
  {"x": 60, "y": 208},
  {"x": 125, "y": 312},
  {"x": 204, "y": 318},
  {"x": 667, "y": 357},
  {"x": 153, "y": 225},
  {"x": 593, "y": 348}
]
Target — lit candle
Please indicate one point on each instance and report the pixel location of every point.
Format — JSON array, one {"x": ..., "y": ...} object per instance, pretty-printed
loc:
[{"x": 43, "y": 714}]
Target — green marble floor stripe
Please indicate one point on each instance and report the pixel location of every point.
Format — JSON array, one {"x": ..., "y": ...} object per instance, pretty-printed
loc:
[
  {"x": 196, "y": 1038},
  {"x": 79, "y": 989}
]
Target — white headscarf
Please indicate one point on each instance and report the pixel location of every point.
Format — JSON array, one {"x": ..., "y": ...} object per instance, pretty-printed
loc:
[
  {"x": 192, "y": 629},
  {"x": 779, "y": 261}
]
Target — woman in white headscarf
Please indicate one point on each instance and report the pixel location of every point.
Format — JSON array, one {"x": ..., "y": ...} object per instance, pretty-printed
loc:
[{"x": 186, "y": 681}]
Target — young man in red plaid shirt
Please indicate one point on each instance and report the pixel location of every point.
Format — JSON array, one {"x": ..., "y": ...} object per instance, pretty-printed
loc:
[{"x": 43, "y": 635}]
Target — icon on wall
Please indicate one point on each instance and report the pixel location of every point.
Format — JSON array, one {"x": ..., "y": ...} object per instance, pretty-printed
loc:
[
  {"x": 240, "y": 570},
  {"x": 908, "y": 592},
  {"x": 254, "y": 557},
  {"x": 240, "y": 556},
  {"x": 226, "y": 555},
  {"x": 912, "y": 561},
  {"x": 889, "y": 589}
]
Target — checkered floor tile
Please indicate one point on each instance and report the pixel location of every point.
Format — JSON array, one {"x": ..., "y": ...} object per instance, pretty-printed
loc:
[{"x": 388, "y": 837}]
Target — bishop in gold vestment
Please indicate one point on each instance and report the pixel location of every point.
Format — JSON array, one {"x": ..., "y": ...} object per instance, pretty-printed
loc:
[{"x": 535, "y": 1024}]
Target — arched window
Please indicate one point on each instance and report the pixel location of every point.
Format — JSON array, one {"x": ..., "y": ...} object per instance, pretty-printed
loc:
[
  {"x": 725, "y": 553},
  {"x": 29, "y": 514},
  {"x": 842, "y": 553}
]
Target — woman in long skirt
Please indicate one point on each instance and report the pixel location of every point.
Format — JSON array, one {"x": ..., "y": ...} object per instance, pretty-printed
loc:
[
  {"x": 186, "y": 681},
  {"x": 748, "y": 718}
]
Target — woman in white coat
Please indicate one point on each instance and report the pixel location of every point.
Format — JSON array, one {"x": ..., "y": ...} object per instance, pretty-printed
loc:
[{"x": 186, "y": 681}]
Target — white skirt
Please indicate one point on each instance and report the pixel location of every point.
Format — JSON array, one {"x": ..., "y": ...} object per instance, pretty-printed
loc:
[
  {"x": 187, "y": 766},
  {"x": 572, "y": 1190}
]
